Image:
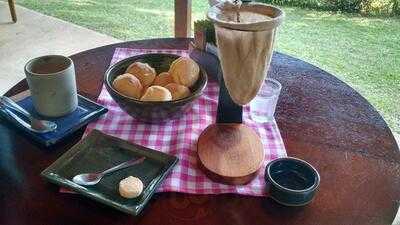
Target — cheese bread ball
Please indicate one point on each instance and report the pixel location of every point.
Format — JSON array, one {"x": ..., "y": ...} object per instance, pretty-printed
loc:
[
  {"x": 128, "y": 85},
  {"x": 184, "y": 71},
  {"x": 163, "y": 79},
  {"x": 178, "y": 91},
  {"x": 143, "y": 72},
  {"x": 156, "y": 93},
  {"x": 130, "y": 187}
]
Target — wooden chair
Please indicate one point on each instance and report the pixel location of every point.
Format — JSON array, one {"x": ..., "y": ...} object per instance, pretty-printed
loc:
[
  {"x": 11, "y": 4},
  {"x": 183, "y": 18}
]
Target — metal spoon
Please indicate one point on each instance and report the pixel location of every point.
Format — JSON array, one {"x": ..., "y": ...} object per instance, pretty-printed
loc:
[
  {"x": 36, "y": 125},
  {"x": 94, "y": 178}
]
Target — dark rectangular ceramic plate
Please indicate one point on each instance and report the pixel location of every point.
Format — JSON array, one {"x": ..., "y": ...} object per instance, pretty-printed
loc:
[{"x": 98, "y": 152}]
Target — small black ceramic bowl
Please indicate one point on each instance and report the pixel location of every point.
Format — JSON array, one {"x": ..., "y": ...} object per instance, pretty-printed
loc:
[
  {"x": 152, "y": 112},
  {"x": 291, "y": 181}
]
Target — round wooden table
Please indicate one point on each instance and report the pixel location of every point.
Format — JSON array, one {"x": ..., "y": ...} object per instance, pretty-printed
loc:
[{"x": 322, "y": 120}]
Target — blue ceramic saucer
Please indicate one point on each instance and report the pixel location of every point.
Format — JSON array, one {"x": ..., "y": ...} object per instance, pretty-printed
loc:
[
  {"x": 291, "y": 181},
  {"x": 86, "y": 112}
]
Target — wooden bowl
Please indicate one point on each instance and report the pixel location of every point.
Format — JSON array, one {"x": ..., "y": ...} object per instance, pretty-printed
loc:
[{"x": 152, "y": 112}]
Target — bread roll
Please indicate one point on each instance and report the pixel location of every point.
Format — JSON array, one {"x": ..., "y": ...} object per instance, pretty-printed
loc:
[
  {"x": 130, "y": 187},
  {"x": 144, "y": 90},
  {"x": 184, "y": 71},
  {"x": 143, "y": 72},
  {"x": 178, "y": 91},
  {"x": 163, "y": 79},
  {"x": 156, "y": 93},
  {"x": 128, "y": 85}
]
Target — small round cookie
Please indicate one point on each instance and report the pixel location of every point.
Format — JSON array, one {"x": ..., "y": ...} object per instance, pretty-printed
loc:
[
  {"x": 156, "y": 93},
  {"x": 128, "y": 85},
  {"x": 184, "y": 71},
  {"x": 178, "y": 91},
  {"x": 163, "y": 79},
  {"x": 130, "y": 187},
  {"x": 143, "y": 72}
]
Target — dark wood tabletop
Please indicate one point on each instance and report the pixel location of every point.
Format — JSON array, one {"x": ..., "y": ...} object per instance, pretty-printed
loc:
[{"x": 322, "y": 120}]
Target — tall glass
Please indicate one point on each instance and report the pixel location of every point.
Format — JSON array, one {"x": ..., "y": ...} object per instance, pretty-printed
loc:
[{"x": 262, "y": 107}]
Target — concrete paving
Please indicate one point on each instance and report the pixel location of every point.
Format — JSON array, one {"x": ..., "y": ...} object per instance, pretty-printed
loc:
[{"x": 36, "y": 34}]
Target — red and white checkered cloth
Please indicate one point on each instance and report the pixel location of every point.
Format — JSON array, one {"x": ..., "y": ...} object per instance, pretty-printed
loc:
[{"x": 179, "y": 137}]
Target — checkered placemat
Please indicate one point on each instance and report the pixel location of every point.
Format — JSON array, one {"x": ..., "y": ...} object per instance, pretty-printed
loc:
[{"x": 179, "y": 137}]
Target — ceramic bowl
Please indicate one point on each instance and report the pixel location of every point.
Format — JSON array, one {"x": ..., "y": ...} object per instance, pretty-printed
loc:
[
  {"x": 291, "y": 181},
  {"x": 152, "y": 112}
]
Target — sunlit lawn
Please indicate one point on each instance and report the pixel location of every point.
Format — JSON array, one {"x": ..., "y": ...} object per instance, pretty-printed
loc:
[{"x": 364, "y": 52}]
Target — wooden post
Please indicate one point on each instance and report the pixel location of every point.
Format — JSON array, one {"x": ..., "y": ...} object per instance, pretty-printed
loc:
[
  {"x": 183, "y": 18},
  {"x": 11, "y": 4}
]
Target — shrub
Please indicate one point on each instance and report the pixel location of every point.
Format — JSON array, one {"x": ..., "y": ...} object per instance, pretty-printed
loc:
[
  {"x": 208, "y": 27},
  {"x": 371, "y": 7}
]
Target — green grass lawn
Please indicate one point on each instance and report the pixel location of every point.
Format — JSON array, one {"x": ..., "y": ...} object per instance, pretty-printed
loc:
[{"x": 364, "y": 52}]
